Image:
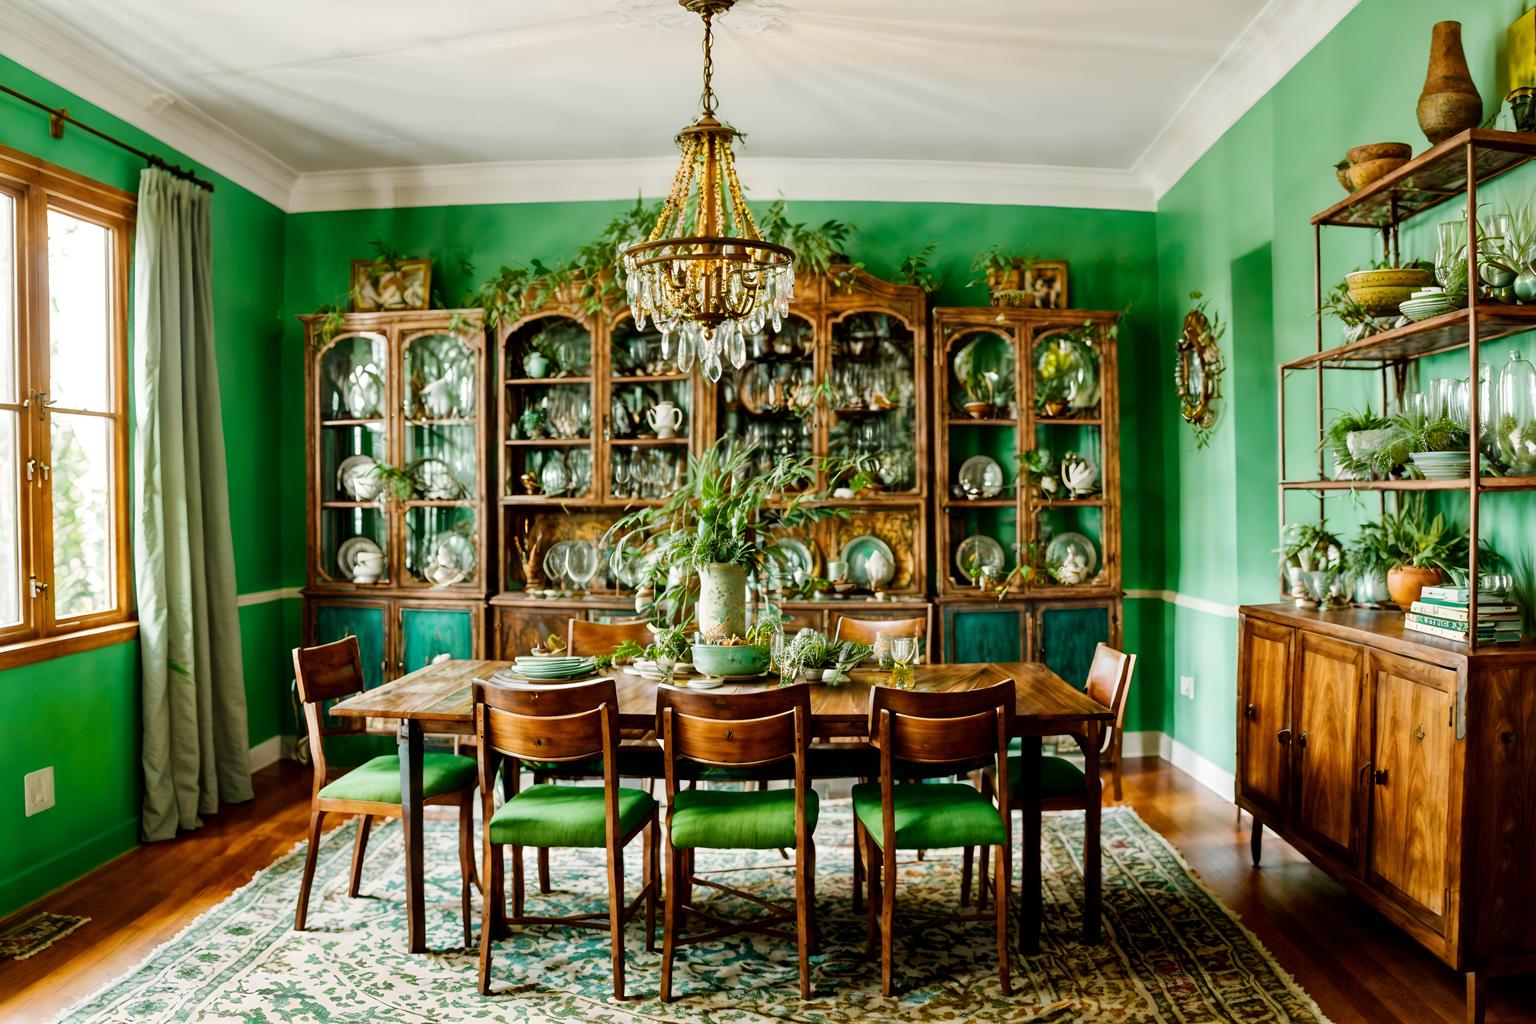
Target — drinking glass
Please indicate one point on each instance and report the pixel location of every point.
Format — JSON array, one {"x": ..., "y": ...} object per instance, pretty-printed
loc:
[
  {"x": 903, "y": 653},
  {"x": 778, "y": 647},
  {"x": 882, "y": 651},
  {"x": 1452, "y": 249},
  {"x": 581, "y": 563}
]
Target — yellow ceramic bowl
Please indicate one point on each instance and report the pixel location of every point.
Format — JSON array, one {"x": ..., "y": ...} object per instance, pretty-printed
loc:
[{"x": 1381, "y": 292}]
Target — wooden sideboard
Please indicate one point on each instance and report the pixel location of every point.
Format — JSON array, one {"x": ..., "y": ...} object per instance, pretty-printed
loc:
[{"x": 1403, "y": 767}]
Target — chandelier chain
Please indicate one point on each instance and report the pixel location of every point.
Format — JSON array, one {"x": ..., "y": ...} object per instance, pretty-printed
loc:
[{"x": 707, "y": 98}]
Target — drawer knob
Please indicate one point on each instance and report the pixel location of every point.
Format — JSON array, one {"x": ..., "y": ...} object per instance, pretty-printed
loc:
[
  {"x": 1379, "y": 776},
  {"x": 1251, "y": 712},
  {"x": 1301, "y": 741}
]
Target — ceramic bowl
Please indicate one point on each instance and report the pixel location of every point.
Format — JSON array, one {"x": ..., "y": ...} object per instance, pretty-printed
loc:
[
  {"x": 1361, "y": 175},
  {"x": 1380, "y": 151},
  {"x": 1382, "y": 292},
  {"x": 737, "y": 660}
]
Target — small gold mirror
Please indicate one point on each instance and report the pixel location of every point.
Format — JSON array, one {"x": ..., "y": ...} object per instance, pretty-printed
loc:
[{"x": 1197, "y": 370}]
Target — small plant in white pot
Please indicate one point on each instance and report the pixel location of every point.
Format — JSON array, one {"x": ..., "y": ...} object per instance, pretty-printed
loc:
[{"x": 812, "y": 656}]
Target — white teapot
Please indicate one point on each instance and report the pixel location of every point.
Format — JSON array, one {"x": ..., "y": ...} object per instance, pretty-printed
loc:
[
  {"x": 665, "y": 418},
  {"x": 445, "y": 569},
  {"x": 367, "y": 566}
]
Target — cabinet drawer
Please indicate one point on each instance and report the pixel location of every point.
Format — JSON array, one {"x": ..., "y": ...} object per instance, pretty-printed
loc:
[
  {"x": 1263, "y": 719},
  {"x": 1328, "y": 709}
]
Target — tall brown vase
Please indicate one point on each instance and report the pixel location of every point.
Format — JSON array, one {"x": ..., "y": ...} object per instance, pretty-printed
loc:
[{"x": 1450, "y": 102}]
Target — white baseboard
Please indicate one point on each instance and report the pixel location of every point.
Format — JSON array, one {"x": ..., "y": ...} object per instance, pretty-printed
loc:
[
  {"x": 266, "y": 753},
  {"x": 1153, "y": 743},
  {"x": 1142, "y": 744}
]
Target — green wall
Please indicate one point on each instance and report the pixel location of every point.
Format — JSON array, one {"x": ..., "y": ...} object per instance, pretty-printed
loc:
[
  {"x": 80, "y": 714},
  {"x": 1236, "y": 227}
]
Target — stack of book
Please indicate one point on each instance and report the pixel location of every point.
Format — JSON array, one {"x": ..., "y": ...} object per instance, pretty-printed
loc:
[{"x": 1442, "y": 612}]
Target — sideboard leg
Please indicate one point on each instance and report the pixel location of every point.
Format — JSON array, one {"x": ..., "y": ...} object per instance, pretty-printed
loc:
[
  {"x": 1256, "y": 841},
  {"x": 1477, "y": 996}
]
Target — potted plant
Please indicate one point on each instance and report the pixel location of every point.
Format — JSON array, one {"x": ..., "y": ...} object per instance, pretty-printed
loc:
[
  {"x": 915, "y": 268},
  {"x": 1365, "y": 446},
  {"x": 980, "y": 393},
  {"x": 813, "y": 656},
  {"x": 817, "y": 247},
  {"x": 1358, "y": 322},
  {"x": 713, "y": 531},
  {"x": 1424, "y": 551},
  {"x": 1306, "y": 548},
  {"x": 1371, "y": 555},
  {"x": 1002, "y": 272}
]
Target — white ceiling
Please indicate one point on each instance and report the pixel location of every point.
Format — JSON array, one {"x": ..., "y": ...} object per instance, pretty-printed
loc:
[{"x": 324, "y": 88}]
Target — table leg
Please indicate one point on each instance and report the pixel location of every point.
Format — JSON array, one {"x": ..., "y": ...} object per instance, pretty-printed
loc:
[
  {"x": 1093, "y": 860},
  {"x": 410, "y": 806},
  {"x": 1028, "y": 802}
]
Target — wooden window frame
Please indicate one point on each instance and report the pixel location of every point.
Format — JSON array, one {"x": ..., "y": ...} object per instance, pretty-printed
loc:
[{"x": 38, "y": 187}]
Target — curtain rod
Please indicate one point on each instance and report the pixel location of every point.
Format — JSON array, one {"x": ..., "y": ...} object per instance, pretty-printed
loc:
[{"x": 58, "y": 117}]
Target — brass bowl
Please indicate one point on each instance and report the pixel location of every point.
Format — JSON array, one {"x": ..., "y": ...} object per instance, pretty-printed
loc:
[
  {"x": 1363, "y": 174},
  {"x": 1382, "y": 292},
  {"x": 1379, "y": 151}
]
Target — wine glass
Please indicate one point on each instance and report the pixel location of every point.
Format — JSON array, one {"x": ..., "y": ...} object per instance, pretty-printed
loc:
[
  {"x": 778, "y": 649},
  {"x": 903, "y": 654},
  {"x": 581, "y": 564}
]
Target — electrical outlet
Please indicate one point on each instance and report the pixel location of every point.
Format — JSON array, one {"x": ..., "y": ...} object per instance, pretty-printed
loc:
[
  {"x": 38, "y": 787},
  {"x": 1187, "y": 687}
]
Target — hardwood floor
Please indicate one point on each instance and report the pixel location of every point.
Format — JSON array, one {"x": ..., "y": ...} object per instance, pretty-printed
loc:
[{"x": 1358, "y": 967}]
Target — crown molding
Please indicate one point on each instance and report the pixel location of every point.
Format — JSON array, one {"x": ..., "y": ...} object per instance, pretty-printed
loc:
[
  {"x": 100, "y": 78},
  {"x": 1275, "y": 41},
  {"x": 554, "y": 181}
]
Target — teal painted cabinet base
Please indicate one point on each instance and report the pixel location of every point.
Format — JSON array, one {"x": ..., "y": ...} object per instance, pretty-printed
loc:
[
  {"x": 396, "y": 635},
  {"x": 339, "y": 619},
  {"x": 976, "y": 633},
  {"x": 1067, "y": 636},
  {"x": 1061, "y": 633},
  {"x": 429, "y": 633}
]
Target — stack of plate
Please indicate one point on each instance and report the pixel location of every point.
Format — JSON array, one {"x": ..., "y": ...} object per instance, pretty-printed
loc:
[
  {"x": 1427, "y": 303},
  {"x": 549, "y": 668},
  {"x": 1443, "y": 465}
]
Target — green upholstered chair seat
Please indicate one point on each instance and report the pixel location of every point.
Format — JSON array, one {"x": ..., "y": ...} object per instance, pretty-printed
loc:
[
  {"x": 931, "y": 816},
  {"x": 566, "y": 816},
  {"x": 1058, "y": 777},
  {"x": 378, "y": 780},
  {"x": 721, "y": 820}
]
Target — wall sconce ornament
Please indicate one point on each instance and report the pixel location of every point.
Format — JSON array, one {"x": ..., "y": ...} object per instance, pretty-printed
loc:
[{"x": 1197, "y": 369}]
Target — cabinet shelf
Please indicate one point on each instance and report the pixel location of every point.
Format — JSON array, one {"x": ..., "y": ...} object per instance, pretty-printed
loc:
[
  {"x": 961, "y": 503},
  {"x": 524, "y": 381},
  {"x": 446, "y": 421},
  {"x": 648, "y": 442},
  {"x": 654, "y": 378},
  {"x": 547, "y": 442},
  {"x": 991, "y": 422},
  {"x": 1067, "y": 502},
  {"x": 1430, "y": 337},
  {"x": 377, "y": 421},
  {"x": 1068, "y": 421},
  {"x": 1487, "y": 483}
]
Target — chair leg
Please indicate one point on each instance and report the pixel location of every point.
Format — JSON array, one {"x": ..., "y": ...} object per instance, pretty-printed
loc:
[
  {"x": 1000, "y": 898},
  {"x": 810, "y": 894},
  {"x": 803, "y": 897},
  {"x": 858, "y": 866},
  {"x": 467, "y": 863},
  {"x": 966, "y": 866},
  {"x": 490, "y": 901},
  {"x": 1115, "y": 752},
  {"x": 616, "y": 917},
  {"x": 316, "y": 819},
  {"x": 888, "y": 921},
  {"x": 517, "y": 881},
  {"x": 872, "y": 857},
  {"x": 981, "y": 882},
  {"x": 670, "y": 920},
  {"x": 359, "y": 847},
  {"x": 652, "y": 883},
  {"x": 544, "y": 869}
]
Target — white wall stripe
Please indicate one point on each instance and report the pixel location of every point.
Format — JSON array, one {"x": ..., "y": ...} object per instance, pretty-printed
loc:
[
  {"x": 268, "y": 596},
  {"x": 1199, "y": 604}
]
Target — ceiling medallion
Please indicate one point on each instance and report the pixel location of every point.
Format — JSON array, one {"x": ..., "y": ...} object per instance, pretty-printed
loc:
[{"x": 705, "y": 276}]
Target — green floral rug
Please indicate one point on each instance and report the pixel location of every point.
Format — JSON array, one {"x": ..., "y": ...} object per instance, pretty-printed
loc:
[{"x": 1172, "y": 953}]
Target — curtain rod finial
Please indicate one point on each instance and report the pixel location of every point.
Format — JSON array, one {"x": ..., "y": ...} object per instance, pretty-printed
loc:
[{"x": 56, "y": 122}]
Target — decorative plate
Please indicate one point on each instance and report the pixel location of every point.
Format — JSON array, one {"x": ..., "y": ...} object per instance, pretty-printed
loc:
[
  {"x": 1073, "y": 558},
  {"x": 437, "y": 480},
  {"x": 987, "y": 353},
  {"x": 364, "y": 392},
  {"x": 857, "y": 553},
  {"x": 454, "y": 553},
  {"x": 977, "y": 552},
  {"x": 355, "y": 478},
  {"x": 981, "y": 477},
  {"x": 350, "y": 549},
  {"x": 1067, "y": 365},
  {"x": 792, "y": 554}
]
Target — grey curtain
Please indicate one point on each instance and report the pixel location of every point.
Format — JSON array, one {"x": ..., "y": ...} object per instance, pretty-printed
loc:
[{"x": 196, "y": 751}]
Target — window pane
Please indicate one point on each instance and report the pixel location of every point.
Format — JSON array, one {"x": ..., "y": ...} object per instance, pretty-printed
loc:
[
  {"x": 83, "y": 574},
  {"x": 79, "y": 313},
  {"x": 8, "y": 289},
  {"x": 10, "y": 523}
]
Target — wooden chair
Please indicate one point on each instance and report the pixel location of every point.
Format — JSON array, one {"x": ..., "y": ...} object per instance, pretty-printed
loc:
[
  {"x": 1061, "y": 780},
  {"x": 912, "y": 727},
  {"x": 583, "y": 637},
  {"x": 372, "y": 790},
  {"x": 864, "y": 630},
  {"x": 569, "y": 724},
  {"x": 732, "y": 731}
]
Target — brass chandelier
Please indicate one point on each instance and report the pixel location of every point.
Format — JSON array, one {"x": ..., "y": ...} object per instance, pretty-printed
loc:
[{"x": 705, "y": 276}]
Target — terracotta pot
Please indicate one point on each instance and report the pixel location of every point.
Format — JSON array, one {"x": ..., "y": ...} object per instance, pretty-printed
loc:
[
  {"x": 1380, "y": 151},
  {"x": 1450, "y": 102},
  {"x": 1371, "y": 171},
  {"x": 1405, "y": 583}
]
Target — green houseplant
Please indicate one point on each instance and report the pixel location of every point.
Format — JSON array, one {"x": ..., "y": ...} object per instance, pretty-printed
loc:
[
  {"x": 817, "y": 246},
  {"x": 1365, "y": 446},
  {"x": 716, "y": 527},
  {"x": 1002, "y": 271},
  {"x": 1371, "y": 555},
  {"x": 1424, "y": 550},
  {"x": 812, "y": 653},
  {"x": 1307, "y": 548}
]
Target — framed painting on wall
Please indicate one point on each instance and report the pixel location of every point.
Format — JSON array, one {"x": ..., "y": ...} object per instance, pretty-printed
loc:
[
  {"x": 385, "y": 283},
  {"x": 1046, "y": 280}
]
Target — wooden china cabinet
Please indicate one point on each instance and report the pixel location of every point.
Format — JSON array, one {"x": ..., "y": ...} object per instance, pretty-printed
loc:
[
  {"x": 846, "y": 375},
  {"x": 397, "y": 558},
  {"x": 1008, "y": 381}
]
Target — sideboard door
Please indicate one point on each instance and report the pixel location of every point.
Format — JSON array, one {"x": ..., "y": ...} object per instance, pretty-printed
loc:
[
  {"x": 1263, "y": 716},
  {"x": 334, "y": 620},
  {"x": 983, "y": 632},
  {"x": 1415, "y": 777},
  {"x": 430, "y": 631},
  {"x": 1326, "y": 712}
]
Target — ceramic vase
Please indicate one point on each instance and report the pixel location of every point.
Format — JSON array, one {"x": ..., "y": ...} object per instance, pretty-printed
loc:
[
  {"x": 1450, "y": 102},
  {"x": 1371, "y": 588},
  {"x": 723, "y": 599},
  {"x": 1405, "y": 583}
]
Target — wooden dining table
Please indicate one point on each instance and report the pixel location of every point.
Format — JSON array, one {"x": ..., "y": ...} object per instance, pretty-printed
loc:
[{"x": 437, "y": 699}]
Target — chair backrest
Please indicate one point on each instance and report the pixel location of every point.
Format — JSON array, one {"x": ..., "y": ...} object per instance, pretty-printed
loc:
[
  {"x": 959, "y": 728},
  {"x": 864, "y": 630},
  {"x": 1109, "y": 681},
  {"x": 583, "y": 637},
  {"x": 555, "y": 724},
  {"x": 326, "y": 673},
  {"x": 734, "y": 729}
]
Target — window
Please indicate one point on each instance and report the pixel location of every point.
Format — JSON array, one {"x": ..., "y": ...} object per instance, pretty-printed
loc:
[{"x": 64, "y": 564}]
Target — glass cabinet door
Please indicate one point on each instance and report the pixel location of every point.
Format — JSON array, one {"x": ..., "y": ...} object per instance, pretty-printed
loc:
[
  {"x": 546, "y": 366},
  {"x": 1068, "y": 525},
  {"x": 978, "y": 489},
  {"x": 650, "y": 416},
  {"x": 440, "y": 374},
  {"x": 872, "y": 395},
  {"x": 769, "y": 402},
  {"x": 352, "y": 404}
]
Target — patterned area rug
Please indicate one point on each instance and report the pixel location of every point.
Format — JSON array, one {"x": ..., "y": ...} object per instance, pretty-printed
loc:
[
  {"x": 1172, "y": 953},
  {"x": 36, "y": 934}
]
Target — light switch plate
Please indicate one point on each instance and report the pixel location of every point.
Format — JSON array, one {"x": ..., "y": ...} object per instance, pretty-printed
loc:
[
  {"x": 38, "y": 786},
  {"x": 1187, "y": 687}
]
